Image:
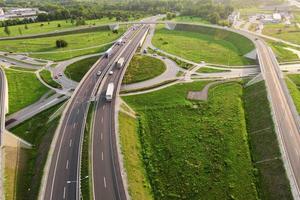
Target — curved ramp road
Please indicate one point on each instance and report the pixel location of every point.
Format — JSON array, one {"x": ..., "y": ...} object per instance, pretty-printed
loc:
[
  {"x": 3, "y": 102},
  {"x": 285, "y": 114}
]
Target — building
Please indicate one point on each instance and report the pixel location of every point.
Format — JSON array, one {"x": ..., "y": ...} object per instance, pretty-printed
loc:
[{"x": 20, "y": 13}]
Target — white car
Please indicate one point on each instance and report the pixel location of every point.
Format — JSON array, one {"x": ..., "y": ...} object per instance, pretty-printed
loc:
[
  {"x": 111, "y": 73},
  {"x": 98, "y": 73}
]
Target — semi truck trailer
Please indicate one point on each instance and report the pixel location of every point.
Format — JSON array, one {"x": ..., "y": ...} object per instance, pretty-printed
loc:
[
  {"x": 109, "y": 92},
  {"x": 120, "y": 63}
]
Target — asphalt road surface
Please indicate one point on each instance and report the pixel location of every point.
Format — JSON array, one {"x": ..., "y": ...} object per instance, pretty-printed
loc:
[
  {"x": 62, "y": 181},
  {"x": 285, "y": 114},
  {"x": 107, "y": 177},
  {"x": 2, "y": 103}
]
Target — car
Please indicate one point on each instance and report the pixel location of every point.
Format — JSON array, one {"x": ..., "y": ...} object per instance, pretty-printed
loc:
[
  {"x": 55, "y": 77},
  {"x": 99, "y": 73},
  {"x": 13, "y": 63},
  {"x": 155, "y": 54},
  {"x": 164, "y": 58},
  {"x": 59, "y": 74},
  {"x": 256, "y": 39},
  {"x": 111, "y": 72}
]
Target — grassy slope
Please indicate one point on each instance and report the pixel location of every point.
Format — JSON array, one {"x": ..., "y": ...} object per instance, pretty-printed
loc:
[
  {"x": 39, "y": 133},
  {"x": 190, "y": 19},
  {"x": 282, "y": 54},
  {"x": 198, "y": 44},
  {"x": 143, "y": 68},
  {"x": 139, "y": 188},
  {"x": 23, "y": 89},
  {"x": 77, "y": 70},
  {"x": 293, "y": 84},
  {"x": 47, "y": 44},
  {"x": 36, "y": 28},
  {"x": 288, "y": 33},
  {"x": 273, "y": 183},
  {"x": 46, "y": 76},
  {"x": 211, "y": 70},
  {"x": 195, "y": 152}
]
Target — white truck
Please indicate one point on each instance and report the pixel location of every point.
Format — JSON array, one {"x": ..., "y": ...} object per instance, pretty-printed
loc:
[
  {"x": 120, "y": 63},
  {"x": 108, "y": 53},
  {"x": 109, "y": 92}
]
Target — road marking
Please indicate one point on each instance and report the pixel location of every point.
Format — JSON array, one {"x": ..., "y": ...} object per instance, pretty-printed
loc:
[
  {"x": 102, "y": 155},
  {"x": 74, "y": 125},
  {"x": 103, "y": 107},
  {"x": 67, "y": 165},
  {"x": 104, "y": 180},
  {"x": 70, "y": 144},
  {"x": 101, "y": 136},
  {"x": 102, "y": 119},
  {"x": 64, "y": 196},
  {"x": 78, "y": 111}
]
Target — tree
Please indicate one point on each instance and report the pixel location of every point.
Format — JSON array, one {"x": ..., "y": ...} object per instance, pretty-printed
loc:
[
  {"x": 6, "y": 30},
  {"x": 61, "y": 43},
  {"x": 58, "y": 25},
  {"x": 20, "y": 31},
  {"x": 214, "y": 18},
  {"x": 26, "y": 27}
]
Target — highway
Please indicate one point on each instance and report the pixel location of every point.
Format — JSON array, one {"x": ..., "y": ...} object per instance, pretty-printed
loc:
[
  {"x": 3, "y": 102},
  {"x": 284, "y": 113},
  {"x": 62, "y": 180},
  {"x": 107, "y": 176}
]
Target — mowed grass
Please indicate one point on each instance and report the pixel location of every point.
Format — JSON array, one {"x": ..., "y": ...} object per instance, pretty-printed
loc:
[
  {"x": 204, "y": 44},
  {"x": 37, "y": 28},
  {"x": 190, "y": 19},
  {"x": 211, "y": 70},
  {"x": 288, "y": 33},
  {"x": 293, "y": 84},
  {"x": 39, "y": 132},
  {"x": 282, "y": 54},
  {"x": 142, "y": 68},
  {"x": 139, "y": 187},
  {"x": 24, "y": 89},
  {"x": 272, "y": 181},
  {"x": 46, "y": 76},
  {"x": 195, "y": 150},
  {"x": 77, "y": 70},
  {"x": 78, "y": 44}
]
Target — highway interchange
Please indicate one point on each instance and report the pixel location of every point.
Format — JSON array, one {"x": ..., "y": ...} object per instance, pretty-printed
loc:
[{"x": 62, "y": 180}]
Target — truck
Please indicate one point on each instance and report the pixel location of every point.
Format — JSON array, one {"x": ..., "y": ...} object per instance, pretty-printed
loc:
[
  {"x": 109, "y": 92},
  {"x": 119, "y": 42},
  {"x": 108, "y": 53},
  {"x": 120, "y": 63}
]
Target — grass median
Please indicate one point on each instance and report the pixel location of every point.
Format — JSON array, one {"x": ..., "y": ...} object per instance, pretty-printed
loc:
[
  {"x": 24, "y": 89},
  {"x": 195, "y": 149},
  {"x": 77, "y": 70},
  {"x": 143, "y": 68},
  {"x": 46, "y": 76}
]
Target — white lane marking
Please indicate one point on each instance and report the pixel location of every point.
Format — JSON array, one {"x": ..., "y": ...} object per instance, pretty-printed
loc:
[
  {"x": 104, "y": 180},
  {"x": 102, "y": 155},
  {"x": 67, "y": 165},
  {"x": 103, "y": 107},
  {"x": 101, "y": 136},
  {"x": 64, "y": 196},
  {"x": 70, "y": 144},
  {"x": 74, "y": 125},
  {"x": 78, "y": 111},
  {"x": 102, "y": 119}
]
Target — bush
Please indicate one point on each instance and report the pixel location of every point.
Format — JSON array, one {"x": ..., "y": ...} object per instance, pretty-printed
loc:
[{"x": 61, "y": 43}]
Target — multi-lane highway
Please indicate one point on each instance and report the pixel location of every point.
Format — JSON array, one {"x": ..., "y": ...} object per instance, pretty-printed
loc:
[
  {"x": 284, "y": 113},
  {"x": 107, "y": 177},
  {"x": 63, "y": 167}
]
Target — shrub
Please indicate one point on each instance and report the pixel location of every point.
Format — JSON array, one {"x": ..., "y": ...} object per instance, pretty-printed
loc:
[{"x": 61, "y": 43}]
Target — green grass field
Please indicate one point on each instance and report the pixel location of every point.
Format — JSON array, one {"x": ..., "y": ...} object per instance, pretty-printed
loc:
[
  {"x": 142, "y": 68},
  {"x": 288, "y": 33},
  {"x": 282, "y": 54},
  {"x": 293, "y": 84},
  {"x": 39, "y": 132},
  {"x": 195, "y": 150},
  {"x": 204, "y": 44},
  {"x": 36, "y": 28},
  {"x": 190, "y": 19},
  {"x": 46, "y": 76},
  {"x": 211, "y": 70},
  {"x": 24, "y": 89},
  {"x": 77, "y": 70},
  {"x": 139, "y": 187},
  {"x": 272, "y": 181},
  {"x": 83, "y": 43}
]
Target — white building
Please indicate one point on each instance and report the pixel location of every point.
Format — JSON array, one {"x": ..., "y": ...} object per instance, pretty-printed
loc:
[
  {"x": 13, "y": 13},
  {"x": 2, "y": 15}
]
